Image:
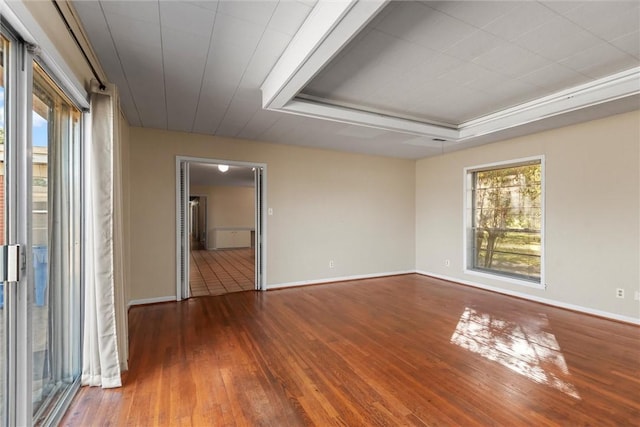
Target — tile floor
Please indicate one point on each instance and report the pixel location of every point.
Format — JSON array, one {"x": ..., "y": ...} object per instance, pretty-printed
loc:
[{"x": 221, "y": 272}]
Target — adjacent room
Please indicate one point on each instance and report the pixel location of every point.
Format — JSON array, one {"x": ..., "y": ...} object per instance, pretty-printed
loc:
[
  {"x": 222, "y": 216},
  {"x": 311, "y": 212}
]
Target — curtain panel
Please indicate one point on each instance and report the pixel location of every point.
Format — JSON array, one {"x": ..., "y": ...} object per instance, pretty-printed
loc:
[{"x": 103, "y": 242}]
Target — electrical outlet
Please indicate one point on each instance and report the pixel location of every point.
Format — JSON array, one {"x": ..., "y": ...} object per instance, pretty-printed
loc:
[
  {"x": 619, "y": 293},
  {"x": 636, "y": 295},
  {"x": 332, "y": 264},
  {"x": 447, "y": 263}
]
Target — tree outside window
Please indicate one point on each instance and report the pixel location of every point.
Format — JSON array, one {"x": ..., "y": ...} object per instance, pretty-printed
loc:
[{"x": 507, "y": 220}]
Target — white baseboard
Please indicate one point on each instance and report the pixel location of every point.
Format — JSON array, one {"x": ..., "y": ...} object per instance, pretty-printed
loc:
[
  {"x": 151, "y": 300},
  {"x": 337, "y": 279},
  {"x": 554, "y": 303}
]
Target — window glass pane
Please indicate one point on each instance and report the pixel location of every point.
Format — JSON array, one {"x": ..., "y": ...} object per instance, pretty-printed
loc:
[
  {"x": 55, "y": 136},
  {"x": 507, "y": 221},
  {"x": 41, "y": 133}
]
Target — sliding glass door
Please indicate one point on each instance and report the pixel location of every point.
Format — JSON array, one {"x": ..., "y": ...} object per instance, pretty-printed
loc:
[
  {"x": 3, "y": 347},
  {"x": 40, "y": 187}
]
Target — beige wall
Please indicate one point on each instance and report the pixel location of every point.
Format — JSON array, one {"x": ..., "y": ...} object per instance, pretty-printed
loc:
[
  {"x": 354, "y": 209},
  {"x": 592, "y": 212},
  {"x": 227, "y": 207}
]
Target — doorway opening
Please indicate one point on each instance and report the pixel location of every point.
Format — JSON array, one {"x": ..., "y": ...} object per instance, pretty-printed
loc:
[
  {"x": 220, "y": 227},
  {"x": 198, "y": 221}
]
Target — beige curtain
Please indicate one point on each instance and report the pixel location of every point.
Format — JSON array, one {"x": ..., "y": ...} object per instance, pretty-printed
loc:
[{"x": 104, "y": 281}]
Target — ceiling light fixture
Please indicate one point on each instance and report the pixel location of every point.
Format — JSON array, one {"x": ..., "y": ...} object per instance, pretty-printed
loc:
[{"x": 223, "y": 168}]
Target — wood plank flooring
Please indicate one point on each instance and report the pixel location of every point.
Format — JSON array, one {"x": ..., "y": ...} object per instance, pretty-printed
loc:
[
  {"x": 404, "y": 350},
  {"x": 221, "y": 272}
]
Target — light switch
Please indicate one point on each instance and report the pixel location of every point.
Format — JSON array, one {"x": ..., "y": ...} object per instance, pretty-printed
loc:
[{"x": 270, "y": 211}]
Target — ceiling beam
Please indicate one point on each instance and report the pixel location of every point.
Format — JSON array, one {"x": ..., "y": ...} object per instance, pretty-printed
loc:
[
  {"x": 366, "y": 118},
  {"x": 606, "y": 89},
  {"x": 328, "y": 28}
]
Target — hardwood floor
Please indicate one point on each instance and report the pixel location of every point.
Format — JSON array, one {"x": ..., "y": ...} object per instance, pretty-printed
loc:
[
  {"x": 404, "y": 350},
  {"x": 222, "y": 271}
]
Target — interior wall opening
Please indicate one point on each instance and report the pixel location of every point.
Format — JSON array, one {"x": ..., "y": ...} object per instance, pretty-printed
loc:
[
  {"x": 222, "y": 222},
  {"x": 219, "y": 210}
]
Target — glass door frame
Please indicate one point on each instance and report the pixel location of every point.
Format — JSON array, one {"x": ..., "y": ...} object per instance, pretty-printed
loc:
[{"x": 18, "y": 365}]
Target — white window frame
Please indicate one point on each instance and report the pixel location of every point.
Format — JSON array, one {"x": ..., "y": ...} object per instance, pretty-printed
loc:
[{"x": 468, "y": 222}]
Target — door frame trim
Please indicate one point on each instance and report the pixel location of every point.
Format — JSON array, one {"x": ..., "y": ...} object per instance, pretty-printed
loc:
[{"x": 261, "y": 251}]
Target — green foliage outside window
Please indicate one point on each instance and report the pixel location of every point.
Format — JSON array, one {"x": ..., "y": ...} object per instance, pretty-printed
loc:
[{"x": 507, "y": 220}]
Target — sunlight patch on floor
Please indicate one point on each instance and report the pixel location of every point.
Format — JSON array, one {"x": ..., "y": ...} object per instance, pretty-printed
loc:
[{"x": 521, "y": 348}]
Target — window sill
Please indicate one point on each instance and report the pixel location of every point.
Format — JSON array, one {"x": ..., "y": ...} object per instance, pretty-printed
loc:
[{"x": 506, "y": 279}]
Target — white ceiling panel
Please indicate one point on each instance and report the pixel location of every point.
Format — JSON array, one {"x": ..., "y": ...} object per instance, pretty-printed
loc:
[
  {"x": 435, "y": 66},
  {"x": 557, "y": 39},
  {"x": 242, "y": 107},
  {"x": 525, "y": 17},
  {"x": 141, "y": 57},
  {"x": 511, "y": 60},
  {"x": 183, "y": 84},
  {"x": 554, "y": 77},
  {"x": 485, "y": 80},
  {"x": 264, "y": 58},
  {"x": 512, "y": 92},
  {"x": 257, "y": 12},
  {"x": 260, "y": 122},
  {"x": 188, "y": 18},
  {"x": 600, "y": 60},
  {"x": 401, "y": 54},
  {"x": 608, "y": 20},
  {"x": 135, "y": 38},
  {"x": 242, "y": 34},
  {"x": 129, "y": 30},
  {"x": 629, "y": 44},
  {"x": 211, "y": 5},
  {"x": 145, "y": 11},
  {"x": 209, "y": 114},
  {"x": 562, "y": 6},
  {"x": 464, "y": 74},
  {"x": 477, "y": 44},
  {"x": 310, "y": 3},
  {"x": 224, "y": 70},
  {"x": 211, "y": 109},
  {"x": 289, "y": 16},
  {"x": 477, "y": 13},
  {"x": 415, "y": 22}
]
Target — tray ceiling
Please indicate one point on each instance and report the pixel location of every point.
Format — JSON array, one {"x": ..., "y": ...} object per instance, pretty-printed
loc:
[{"x": 452, "y": 62}]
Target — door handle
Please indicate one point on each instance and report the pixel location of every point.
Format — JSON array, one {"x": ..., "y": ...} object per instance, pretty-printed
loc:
[{"x": 10, "y": 260}]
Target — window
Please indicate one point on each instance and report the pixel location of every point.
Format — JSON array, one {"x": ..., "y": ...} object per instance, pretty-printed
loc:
[{"x": 504, "y": 220}]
